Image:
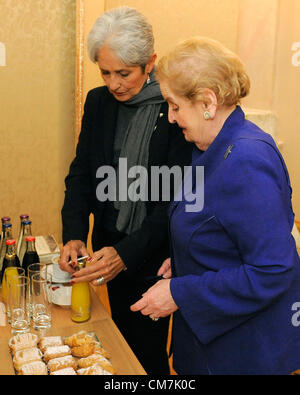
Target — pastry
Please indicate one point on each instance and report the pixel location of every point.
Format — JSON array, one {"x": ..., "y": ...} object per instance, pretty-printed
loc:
[
  {"x": 98, "y": 349},
  {"x": 22, "y": 341},
  {"x": 50, "y": 341},
  {"x": 79, "y": 339},
  {"x": 34, "y": 368},
  {"x": 64, "y": 372},
  {"x": 56, "y": 352},
  {"x": 27, "y": 355},
  {"x": 95, "y": 369},
  {"x": 62, "y": 362},
  {"x": 83, "y": 351},
  {"x": 88, "y": 349},
  {"x": 96, "y": 358}
]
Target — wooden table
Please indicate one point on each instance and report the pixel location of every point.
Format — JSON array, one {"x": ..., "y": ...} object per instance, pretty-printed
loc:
[{"x": 122, "y": 357}]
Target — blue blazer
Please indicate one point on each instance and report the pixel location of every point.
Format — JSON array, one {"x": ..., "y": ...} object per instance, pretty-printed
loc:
[{"x": 236, "y": 272}]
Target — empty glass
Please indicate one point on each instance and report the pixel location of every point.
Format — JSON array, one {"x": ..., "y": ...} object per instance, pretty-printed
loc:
[
  {"x": 35, "y": 268},
  {"x": 41, "y": 300},
  {"x": 17, "y": 295}
]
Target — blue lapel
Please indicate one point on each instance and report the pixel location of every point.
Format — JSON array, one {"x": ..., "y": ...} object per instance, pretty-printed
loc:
[{"x": 218, "y": 151}]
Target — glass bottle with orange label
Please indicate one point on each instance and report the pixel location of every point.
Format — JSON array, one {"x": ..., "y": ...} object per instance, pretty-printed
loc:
[{"x": 81, "y": 299}]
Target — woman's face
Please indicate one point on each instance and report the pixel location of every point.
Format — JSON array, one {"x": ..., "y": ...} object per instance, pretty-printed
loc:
[
  {"x": 188, "y": 116},
  {"x": 123, "y": 81}
]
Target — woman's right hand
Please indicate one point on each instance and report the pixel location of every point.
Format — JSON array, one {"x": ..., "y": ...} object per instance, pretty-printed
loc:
[
  {"x": 165, "y": 269},
  {"x": 71, "y": 251}
]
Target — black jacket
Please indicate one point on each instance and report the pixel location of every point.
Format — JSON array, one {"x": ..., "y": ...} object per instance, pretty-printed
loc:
[{"x": 95, "y": 149}]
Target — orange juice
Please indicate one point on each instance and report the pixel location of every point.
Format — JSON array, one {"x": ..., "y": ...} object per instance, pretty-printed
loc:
[{"x": 80, "y": 302}]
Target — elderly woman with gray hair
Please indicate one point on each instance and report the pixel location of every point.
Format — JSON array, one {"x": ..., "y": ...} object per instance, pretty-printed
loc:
[{"x": 124, "y": 122}]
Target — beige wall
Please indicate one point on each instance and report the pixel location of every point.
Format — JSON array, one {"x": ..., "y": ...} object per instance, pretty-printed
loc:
[
  {"x": 37, "y": 109},
  {"x": 260, "y": 31}
]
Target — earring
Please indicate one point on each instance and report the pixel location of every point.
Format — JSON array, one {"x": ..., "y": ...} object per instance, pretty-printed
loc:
[
  {"x": 148, "y": 79},
  {"x": 207, "y": 115}
]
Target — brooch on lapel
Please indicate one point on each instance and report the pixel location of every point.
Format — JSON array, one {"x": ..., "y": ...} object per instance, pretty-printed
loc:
[{"x": 228, "y": 151}]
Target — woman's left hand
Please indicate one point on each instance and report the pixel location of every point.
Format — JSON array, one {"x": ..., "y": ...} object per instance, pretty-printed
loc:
[
  {"x": 105, "y": 263},
  {"x": 157, "y": 301}
]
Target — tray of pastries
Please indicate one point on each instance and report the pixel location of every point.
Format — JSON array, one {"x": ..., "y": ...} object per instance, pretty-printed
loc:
[{"x": 78, "y": 354}]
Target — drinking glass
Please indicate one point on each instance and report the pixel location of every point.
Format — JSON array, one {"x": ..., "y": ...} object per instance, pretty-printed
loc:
[
  {"x": 35, "y": 268},
  {"x": 9, "y": 272},
  {"x": 17, "y": 296},
  {"x": 41, "y": 300}
]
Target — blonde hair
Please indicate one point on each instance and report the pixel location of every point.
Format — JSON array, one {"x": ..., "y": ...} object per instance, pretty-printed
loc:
[{"x": 201, "y": 63}]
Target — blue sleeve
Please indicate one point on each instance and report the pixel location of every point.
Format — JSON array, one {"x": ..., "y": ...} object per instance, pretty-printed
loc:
[{"x": 254, "y": 209}]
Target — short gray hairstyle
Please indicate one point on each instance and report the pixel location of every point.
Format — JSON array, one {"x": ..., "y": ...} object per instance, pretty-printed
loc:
[{"x": 126, "y": 32}]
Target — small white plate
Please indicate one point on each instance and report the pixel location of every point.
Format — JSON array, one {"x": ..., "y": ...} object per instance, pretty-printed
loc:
[
  {"x": 58, "y": 280},
  {"x": 61, "y": 295}
]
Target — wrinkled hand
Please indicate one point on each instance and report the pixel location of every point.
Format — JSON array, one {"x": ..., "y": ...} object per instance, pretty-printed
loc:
[
  {"x": 165, "y": 269},
  {"x": 71, "y": 251},
  {"x": 105, "y": 263},
  {"x": 157, "y": 301}
]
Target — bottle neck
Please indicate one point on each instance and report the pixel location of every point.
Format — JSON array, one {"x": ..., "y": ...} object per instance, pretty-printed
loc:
[
  {"x": 4, "y": 223},
  {"x": 30, "y": 247},
  {"x": 10, "y": 250},
  {"x": 7, "y": 234},
  {"x": 27, "y": 230}
]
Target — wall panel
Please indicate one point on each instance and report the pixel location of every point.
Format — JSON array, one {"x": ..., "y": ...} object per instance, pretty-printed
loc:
[
  {"x": 92, "y": 9},
  {"x": 174, "y": 20},
  {"x": 287, "y": 91},
  {"x": 257, "y": 34},
  {"x": 37, "y": 109}
]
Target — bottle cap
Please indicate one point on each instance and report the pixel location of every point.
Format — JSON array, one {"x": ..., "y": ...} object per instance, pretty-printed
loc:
[
  {"x": 5, "y": 219},
  {"x": 30, "y": 238},
  {"x": 81, "y": 263},
  {"x": 10, "y": 242},
  {"x": 23, "y": 216}
]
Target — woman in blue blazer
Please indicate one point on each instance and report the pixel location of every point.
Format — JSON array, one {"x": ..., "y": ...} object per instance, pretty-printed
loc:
[{"x": 233, "y": 280}]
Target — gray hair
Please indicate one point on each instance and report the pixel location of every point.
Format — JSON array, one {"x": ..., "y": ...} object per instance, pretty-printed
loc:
[{"x": 126, "y": 32}]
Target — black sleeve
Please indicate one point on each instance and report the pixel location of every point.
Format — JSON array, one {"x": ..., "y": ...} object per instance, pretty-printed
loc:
[
  {"x": 153, "y": 233},
  {"x": 78, "y": 193}
]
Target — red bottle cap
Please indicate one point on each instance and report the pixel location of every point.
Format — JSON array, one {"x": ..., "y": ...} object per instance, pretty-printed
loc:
[
  {"x": 10, "y": 242},
  {"x": 30, "y": 238}
]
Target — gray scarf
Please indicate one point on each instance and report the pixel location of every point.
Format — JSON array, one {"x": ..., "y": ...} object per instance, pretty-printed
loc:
[{"x": 135, "y": 149}]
